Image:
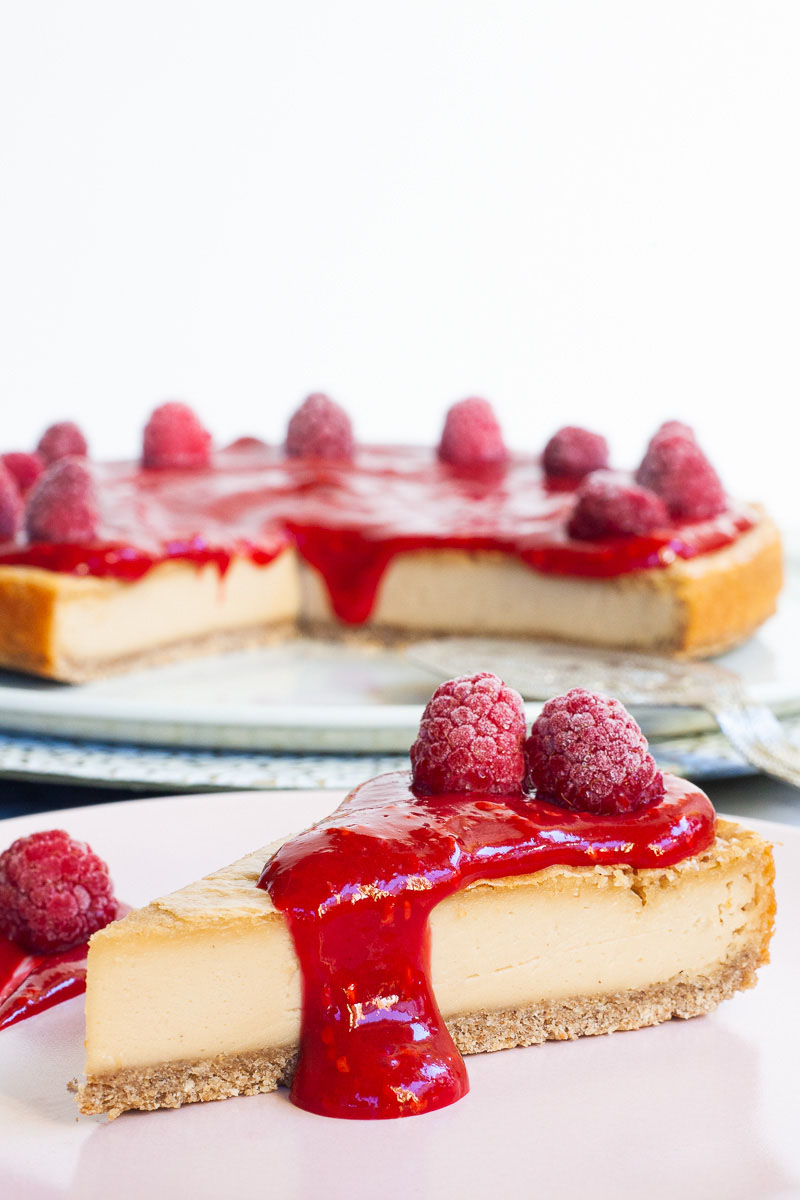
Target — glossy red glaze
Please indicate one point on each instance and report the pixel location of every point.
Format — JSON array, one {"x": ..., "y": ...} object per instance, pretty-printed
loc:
[
  {"x": 30, "y": 983},
  {"x": 358, "y": 889},
  {"x": 350, "y": 520}
]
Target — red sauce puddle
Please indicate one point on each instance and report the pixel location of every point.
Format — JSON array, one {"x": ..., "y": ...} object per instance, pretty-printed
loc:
[
  {"x": 358, "y": 889},
  {"x": 30, "y": 982},
  {"x": 349, "y": 521}
]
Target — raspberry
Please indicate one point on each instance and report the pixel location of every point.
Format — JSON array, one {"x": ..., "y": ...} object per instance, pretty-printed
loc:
[
  {"x": 60, "y": 440},
  {"x": 10, "y": 505},
  {"x": 54, "y": 892},
  {"x": 175, "y": 437},
  {"x": 586, "y": 752},
  {"x": 609, "y": 505},
  {"x": 574, "y": 452},
  {"x": 320, "y": 429},
  {"x": 470, "y": 738},
  {"x": 25, "y": 468},
  {"x": 471, "y": 435},
  {"x": 676, "y": 469},
  {"x": 671, "y": 429},
  {"x": 63, "y": 505}
]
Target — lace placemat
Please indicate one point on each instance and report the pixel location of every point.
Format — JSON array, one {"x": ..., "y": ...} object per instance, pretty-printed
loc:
[{"x": 57, "y": 760}]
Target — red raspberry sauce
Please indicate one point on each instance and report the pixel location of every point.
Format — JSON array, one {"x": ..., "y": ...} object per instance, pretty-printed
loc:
[
  {"x": 358, "y": 888},
  {"x": 349, "y": 520},
  {"x": 30, "y": 982}
]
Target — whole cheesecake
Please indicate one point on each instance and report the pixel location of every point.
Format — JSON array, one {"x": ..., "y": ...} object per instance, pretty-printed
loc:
[
  {"x": 449, "y": 912},
  {"x": 251, "y": 541}
]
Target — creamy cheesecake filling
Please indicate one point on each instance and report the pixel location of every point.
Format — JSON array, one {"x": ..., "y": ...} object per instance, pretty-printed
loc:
[
  {"x": 210, "y": 970},
  {"x": 173, "y": 602},
  {"x": 456, "y": 591}
]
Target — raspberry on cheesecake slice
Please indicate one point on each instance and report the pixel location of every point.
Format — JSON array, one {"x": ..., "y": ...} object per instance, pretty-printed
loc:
[{"x": 506, "y": 891}]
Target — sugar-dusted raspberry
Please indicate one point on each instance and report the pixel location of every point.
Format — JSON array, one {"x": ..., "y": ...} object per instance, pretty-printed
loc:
[
  {"x": 670, "y": 429},
  {"x": 608, "y": 504},
  {"x": 10, "y": 505},
  {"x": 586, "y": 752},
  {"x": 25, "y": 468},
  {"x": 573, "y": 452},
  {"x": 320, "y": 429},
  {"x": 174, "y": 436},
  {"x": 676, "y": 469},
  {"x": 62, "y": 506},
  {"x": 472, "y": 435},
  {"x": 470, "y": 738},
  {"x": 61, "y": 440},
  {"x": 54, "y": 892}
]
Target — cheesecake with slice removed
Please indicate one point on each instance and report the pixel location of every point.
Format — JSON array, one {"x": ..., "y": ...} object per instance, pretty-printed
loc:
[
  {"x": 500, "y": 895},
  {"x": 194, "y": 550}
]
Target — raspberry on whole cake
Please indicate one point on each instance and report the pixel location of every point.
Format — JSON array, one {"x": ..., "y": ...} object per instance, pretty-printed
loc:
[
  {"x": 62, "y": 507},
  {"x": 25, "y": 468},
  {"x": 472, "y": 435},
  {"x": 574, "y": 452},
  {"x": 62, "y": 440},
  {"x": 10, "y": 505},
  {"x": 607, "y": 505},
  {"x": 175, "y": 437},
  {"x": 676, "y": 469},
  {"x": 320, "y": 429}
]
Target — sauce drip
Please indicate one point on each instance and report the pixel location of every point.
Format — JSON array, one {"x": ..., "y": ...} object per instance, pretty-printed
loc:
[
  {"x": 358, "y": 889},
  {"x": 31, "y": 982},
  {"x": 349, "y": 520}
]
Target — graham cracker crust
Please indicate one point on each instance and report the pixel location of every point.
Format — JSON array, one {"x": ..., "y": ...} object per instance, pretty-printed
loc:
[{"x": 169, "y": 1085}]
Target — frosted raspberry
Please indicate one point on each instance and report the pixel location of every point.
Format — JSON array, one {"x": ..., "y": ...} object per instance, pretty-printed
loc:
[
  {"x": 470, "y": 738},
  {"x": 573, "y": 452},
  {"x": 320, "y": 429},
  {"x": 175, "y": 437},
  {"x": 671, "y": 429},
  {"x": 60, "y": 440},
  {"x": 676, "y": 469},
  {"x": 10, "y": 505},
  {"x": 586, "y": 752},
  {"x": 471, "y": 435},
  {"x": 609, "y": 505},
  {"x": 63, "y": 504},
  {"x": 54, "y": 892},
  {"x": 25, "y": 468}
]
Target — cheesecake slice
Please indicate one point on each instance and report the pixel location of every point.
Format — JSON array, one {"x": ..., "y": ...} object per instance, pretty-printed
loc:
[
  {"x": 505, "y": 891},
  {"x": 198, "y": 995}
]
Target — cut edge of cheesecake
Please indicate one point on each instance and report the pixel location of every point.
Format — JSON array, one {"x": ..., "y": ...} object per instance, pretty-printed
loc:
[
  {"x": 228, "y": 901},
  {"x": 76, "y": 628}
]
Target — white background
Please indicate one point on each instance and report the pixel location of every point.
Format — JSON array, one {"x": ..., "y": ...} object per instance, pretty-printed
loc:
[{"x": 587, "y": 212}]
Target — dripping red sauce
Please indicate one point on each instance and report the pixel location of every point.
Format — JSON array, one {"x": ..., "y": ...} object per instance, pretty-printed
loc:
[
  {"x": 350, "y": 520},
  {"x": 358, "y": 889},
  {"x": 31, "y": 982}
]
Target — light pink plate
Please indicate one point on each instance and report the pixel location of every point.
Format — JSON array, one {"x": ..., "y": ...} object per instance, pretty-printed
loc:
[{"x": 705, "y": 1108}]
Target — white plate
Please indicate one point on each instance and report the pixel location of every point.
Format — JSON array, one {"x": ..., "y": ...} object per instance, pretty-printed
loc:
[
  {"x": 704, "y": 1108},
  {"x": 324, "y": 697}
]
